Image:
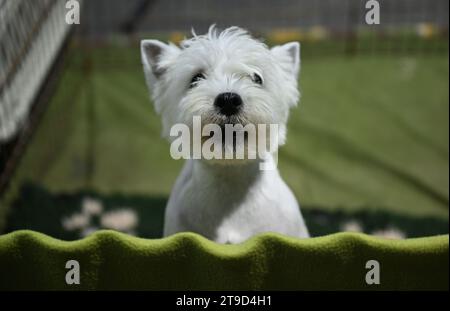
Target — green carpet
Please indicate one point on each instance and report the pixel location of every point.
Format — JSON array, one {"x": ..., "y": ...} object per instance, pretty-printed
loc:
[
  {"x": 110, "y": 260},
  {"x": 370, "y": 136},
  {"x": 367, "y": 145}
]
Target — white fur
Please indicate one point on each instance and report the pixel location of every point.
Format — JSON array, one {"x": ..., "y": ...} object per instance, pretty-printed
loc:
[{"x": 229, "y": 201}]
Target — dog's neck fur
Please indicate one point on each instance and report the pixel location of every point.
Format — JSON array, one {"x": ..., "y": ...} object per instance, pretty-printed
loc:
[
  {"x": 232, "y": 179},
  {"x": 236, "y": 174},
  {"x": 227, "y": 186}
]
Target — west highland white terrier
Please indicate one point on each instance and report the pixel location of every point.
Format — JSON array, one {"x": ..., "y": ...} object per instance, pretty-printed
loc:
[{"x": 226, "y": 78}]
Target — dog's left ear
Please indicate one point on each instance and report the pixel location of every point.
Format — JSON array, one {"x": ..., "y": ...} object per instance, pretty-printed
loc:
[
  {"x": 156, "y": 57},
  {"x": 289, "y": 56}
]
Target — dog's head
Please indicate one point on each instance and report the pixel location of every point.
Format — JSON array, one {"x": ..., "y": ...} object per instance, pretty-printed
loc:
[{"x": 224, "y": 77}]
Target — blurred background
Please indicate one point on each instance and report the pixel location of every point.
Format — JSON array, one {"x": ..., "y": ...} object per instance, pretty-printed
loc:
[{"x": 80, "y": 145}]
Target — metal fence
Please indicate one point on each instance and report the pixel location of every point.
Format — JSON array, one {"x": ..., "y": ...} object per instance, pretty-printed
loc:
[
  {"x": 31, "y": 36},
  {"x": 106, "y": 17},
  {"x": 328, "y": 27},
  {"x": 31, "y": 33}
]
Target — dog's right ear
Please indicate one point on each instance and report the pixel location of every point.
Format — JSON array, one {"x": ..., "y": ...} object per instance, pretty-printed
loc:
[
  {"x": 289, "y": 55},
  {"x": 156, "y": 57}
]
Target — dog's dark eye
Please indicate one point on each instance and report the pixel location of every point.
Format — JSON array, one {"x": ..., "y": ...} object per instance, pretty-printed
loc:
[
  {"x": 257, "y": 79},
  {"x": 195, "y": 79}
]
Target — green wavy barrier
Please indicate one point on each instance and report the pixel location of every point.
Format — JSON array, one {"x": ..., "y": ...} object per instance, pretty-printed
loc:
[{"x": 110, "y": 260}]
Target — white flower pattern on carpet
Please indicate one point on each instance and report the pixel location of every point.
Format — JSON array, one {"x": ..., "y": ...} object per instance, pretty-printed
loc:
[{"x": 121, "y": 219}]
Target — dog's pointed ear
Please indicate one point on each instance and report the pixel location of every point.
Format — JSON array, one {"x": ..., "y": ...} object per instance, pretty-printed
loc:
[
  {"x": 289, "y": 56},
  {"x": 156, "y": 57}
]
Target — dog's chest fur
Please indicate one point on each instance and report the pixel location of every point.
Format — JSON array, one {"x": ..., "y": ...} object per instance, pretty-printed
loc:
[{"x": 229, "y": 204}]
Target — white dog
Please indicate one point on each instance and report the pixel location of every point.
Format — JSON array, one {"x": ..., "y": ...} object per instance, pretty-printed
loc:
[{"x": 226, "y": 78}]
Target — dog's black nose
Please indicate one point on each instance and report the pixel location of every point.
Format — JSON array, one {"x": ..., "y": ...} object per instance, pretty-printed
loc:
[{"x": 228, "y": 103}]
